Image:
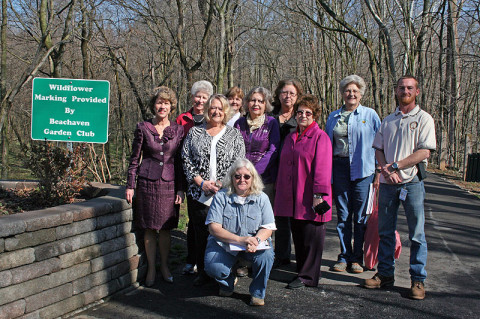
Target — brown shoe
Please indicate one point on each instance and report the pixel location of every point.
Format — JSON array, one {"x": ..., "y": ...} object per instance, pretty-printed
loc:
[
  {"x": 379, "y": 281},
  {"x": 257, "y": 301},
  {"x": 417, "y": 291}
]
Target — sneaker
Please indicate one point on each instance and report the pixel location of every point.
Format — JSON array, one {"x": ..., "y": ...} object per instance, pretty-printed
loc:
[
  {"x": 356, "y": 268},
  {"x": 257, "y": 301},
  {"x": 242, "y": 271},
  {"x": 417, "y": 291},
  {"x": 379, "y": 281},
  {"x": 340, "y": 266},
  {"x": 189, "y": 269}
]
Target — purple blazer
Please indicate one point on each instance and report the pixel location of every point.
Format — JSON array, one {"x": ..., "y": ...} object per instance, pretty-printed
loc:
[
  {"x": 305, "y": 168},
  {"x": 160, "y": 156},
  {"x": 261, "y": 146}
]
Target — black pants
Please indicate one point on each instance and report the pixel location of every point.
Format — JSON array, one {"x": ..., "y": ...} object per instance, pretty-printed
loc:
[
  {"x": 308, "y": 237},
  {"x": 198, "y": 213}
]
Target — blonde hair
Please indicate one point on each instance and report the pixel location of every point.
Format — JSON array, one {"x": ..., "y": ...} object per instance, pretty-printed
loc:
[
  {"x": 225, "y": 106},
  {"x": 257, "y": 185}
]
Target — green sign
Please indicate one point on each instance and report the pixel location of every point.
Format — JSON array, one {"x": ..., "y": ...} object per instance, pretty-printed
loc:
[{"x": 70, "y": 110}]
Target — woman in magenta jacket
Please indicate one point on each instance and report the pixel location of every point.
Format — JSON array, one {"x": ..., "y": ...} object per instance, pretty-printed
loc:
[{"x": 303, "y": 182}]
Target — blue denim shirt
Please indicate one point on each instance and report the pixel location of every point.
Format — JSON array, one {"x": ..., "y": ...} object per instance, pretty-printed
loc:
[
  {"x": 239, "y": 219},
  {"x": 363, "y": 124}
]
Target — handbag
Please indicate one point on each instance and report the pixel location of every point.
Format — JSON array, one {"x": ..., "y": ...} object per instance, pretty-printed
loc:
[{"x": 372, "y": 239}]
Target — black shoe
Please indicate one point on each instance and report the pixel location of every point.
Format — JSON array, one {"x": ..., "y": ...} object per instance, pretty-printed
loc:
[
  {"x": 201, "y": 280},
  {"x": 280, "y": 262},
  {"x": 295, "y": 284}
]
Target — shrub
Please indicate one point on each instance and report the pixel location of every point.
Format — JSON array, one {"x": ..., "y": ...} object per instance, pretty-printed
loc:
[{"x": 61, "y": 173}]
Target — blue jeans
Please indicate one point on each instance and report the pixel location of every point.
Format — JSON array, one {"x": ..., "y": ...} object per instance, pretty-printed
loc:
[
  {"x": 219, "y": 263},
  {"x": 351, "y": 199},
  {"x": 388, "y": 204}
]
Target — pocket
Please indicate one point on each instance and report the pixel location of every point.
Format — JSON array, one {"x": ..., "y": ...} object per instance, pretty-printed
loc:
[
  {"x": 253, "y": 223},
  {"x": 229, "y": 220}
]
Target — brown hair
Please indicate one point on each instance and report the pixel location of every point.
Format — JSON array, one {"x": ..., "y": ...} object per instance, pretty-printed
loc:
[
  {"x": 235, "y": 91},
  {"x": 276, "y": 99},
  {"x": 165, "y": 93},
  {"x": 309, "y": 101}
]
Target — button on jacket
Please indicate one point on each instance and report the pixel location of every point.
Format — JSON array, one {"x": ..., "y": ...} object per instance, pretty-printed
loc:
[
  {"x": 363, "y": 124},
  {"x": 160, "y": 156}
]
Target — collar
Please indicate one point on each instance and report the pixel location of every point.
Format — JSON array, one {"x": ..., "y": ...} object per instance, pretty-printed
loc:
[
  {"x": 413, "y": 112},
  {"x": 233, "y": 198},
  {"x": 149, "y": 125},
  {"x": 304, "y": 133},
  {"x": 357, "y": 111}
]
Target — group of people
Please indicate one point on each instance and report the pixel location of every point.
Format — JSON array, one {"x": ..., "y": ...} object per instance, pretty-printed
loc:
[{"x": 252, "y": 164}]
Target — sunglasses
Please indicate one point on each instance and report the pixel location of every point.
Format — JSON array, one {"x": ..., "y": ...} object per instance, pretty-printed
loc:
[
  {"x": 307, "y": 113},
  {"x": 239, "y": 176}
]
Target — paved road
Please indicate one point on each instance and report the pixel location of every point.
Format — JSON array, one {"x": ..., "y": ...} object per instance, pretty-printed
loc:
[{"x": 453, "y": 283}]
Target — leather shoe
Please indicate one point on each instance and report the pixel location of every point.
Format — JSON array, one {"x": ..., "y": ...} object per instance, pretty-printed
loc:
[
  {"x": 379, "y": 281},
  {"x": 295, "y": 284},
  {"x": 417, "y": 291}
]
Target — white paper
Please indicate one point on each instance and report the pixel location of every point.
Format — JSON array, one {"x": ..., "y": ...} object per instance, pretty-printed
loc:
[
  {"x": 371, "y": 198},
  {"x": 205, "y": 200},
  {"x": 262, "y": 246}
]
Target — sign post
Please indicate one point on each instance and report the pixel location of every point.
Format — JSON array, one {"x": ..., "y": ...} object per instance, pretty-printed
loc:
[{"x": 70, "y": 110}]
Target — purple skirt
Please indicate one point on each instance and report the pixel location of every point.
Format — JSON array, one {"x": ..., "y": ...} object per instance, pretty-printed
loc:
[{"x": 155, "y": 205}]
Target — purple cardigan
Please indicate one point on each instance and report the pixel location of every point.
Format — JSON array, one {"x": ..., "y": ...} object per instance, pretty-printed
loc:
[
  {"x": 160, "y": 156},
  {"x": 305, "y": 168},
  {"x": 261, "y": 146}
]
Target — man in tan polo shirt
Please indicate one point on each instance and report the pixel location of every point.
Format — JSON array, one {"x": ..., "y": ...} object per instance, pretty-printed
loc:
[{"x": 403, "y": 144}]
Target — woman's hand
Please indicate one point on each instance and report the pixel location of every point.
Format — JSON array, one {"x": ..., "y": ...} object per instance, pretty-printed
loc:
[
  {"x": 250, "y": 243},
  {"x": 209, "y": 187},
  {"x": 179, "y": 197},
  {"x": 129, "y": 195},
  {"x": 317, "y": 201}
]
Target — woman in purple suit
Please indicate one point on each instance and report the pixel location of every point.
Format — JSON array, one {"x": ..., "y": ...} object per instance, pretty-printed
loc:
[{"x": 158, "y": 179}]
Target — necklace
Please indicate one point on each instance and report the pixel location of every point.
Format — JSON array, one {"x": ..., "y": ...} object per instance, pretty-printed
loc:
[{"x": 287, "y": 116}]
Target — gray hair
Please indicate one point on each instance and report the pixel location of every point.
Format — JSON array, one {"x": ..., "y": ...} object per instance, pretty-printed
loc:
[
  {"x": 267, "y": 96},
  {"x": 203, "y": 86},
  {"x": 257, "y": 185},
  {"x": 225, "y": 107},
  {"x": 355, "y": 79}
]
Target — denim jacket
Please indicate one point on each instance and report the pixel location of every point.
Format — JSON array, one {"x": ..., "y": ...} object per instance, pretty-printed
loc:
[
  {"x": 239, "y": 219},
  {"x": 363, "y": 124}
]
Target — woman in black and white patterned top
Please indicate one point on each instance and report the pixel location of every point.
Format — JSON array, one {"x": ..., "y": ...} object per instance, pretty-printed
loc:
[{"x": 208, "y": 152}]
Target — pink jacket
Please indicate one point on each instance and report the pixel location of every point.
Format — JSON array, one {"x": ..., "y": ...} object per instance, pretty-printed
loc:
[{"x": 305, "y": 168}]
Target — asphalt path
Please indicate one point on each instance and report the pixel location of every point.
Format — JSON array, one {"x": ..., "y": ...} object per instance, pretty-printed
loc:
[{"x": 453, "y": 282}]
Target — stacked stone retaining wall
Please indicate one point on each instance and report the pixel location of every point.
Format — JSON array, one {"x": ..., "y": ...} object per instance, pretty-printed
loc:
[{"x": 58, "y": 260}]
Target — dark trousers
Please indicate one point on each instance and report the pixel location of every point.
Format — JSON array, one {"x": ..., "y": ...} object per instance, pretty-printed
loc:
[
  {"x": 308, "y": 237},
  {"x": 198, "y": 212},
  {"x": 283, "y": 244},
  {"x": 191, "y": 258}
]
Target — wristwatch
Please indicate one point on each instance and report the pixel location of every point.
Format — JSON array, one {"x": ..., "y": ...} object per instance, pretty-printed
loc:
[
  {"x": 317, "y": 196},
  {"x": 395, "y": 166},
  {"x": 258, "y": 239}
]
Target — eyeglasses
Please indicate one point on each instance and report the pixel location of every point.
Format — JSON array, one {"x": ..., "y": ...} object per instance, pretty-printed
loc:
[
  {"x": 239, "y": 176},
  {"x": 292, "y": 94},
  {"x": 351, "y": 91},
  {"x": 304, "y": 112},
  {"x": 255, "y": 100}
]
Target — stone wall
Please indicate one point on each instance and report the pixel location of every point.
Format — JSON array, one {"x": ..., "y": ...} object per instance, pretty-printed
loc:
[{"x": 58, "y": 260}]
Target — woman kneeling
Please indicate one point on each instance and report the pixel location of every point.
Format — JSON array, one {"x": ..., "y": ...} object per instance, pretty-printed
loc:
[{"x": 240, "y": 221}]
